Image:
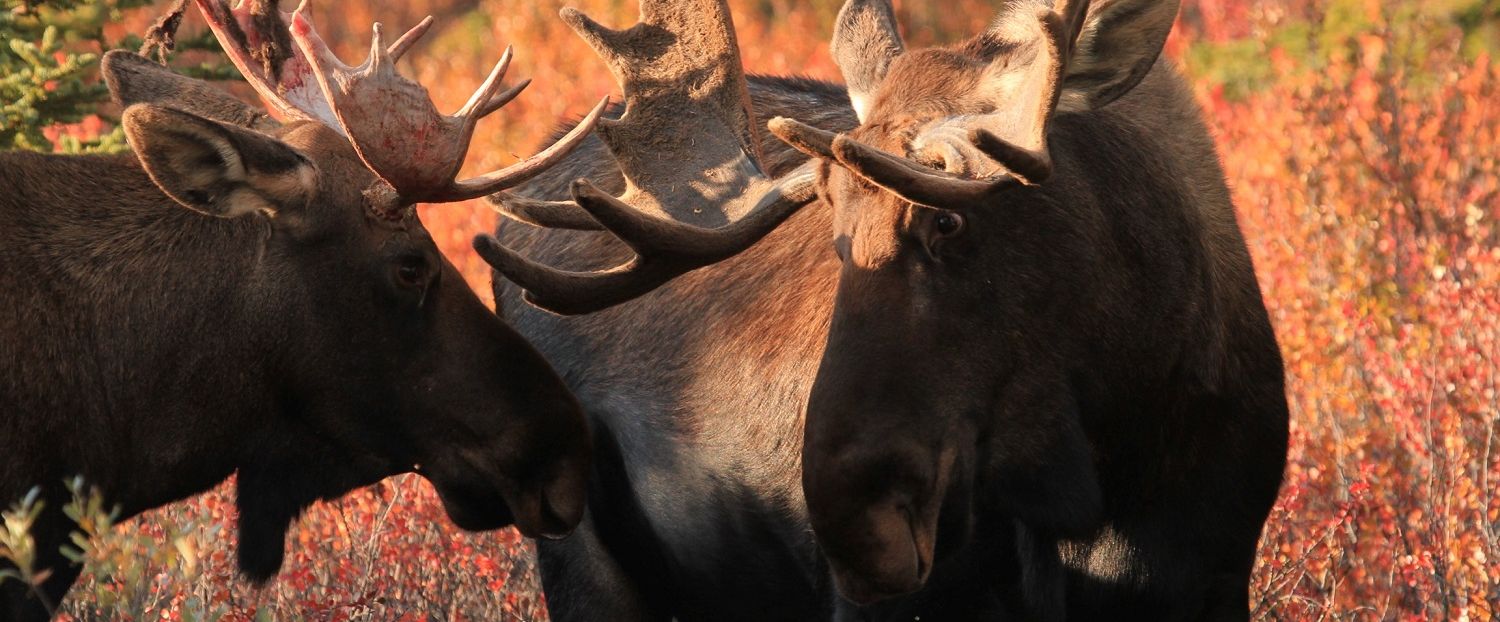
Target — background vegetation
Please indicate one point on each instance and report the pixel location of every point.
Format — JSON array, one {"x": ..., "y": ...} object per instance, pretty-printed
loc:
[{"x": 1360, "y": 138}]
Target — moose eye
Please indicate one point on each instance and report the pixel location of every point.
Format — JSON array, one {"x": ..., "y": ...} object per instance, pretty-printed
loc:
[
  {"x": 412, "y": 272},
  {"x": 948, "y": 224}
]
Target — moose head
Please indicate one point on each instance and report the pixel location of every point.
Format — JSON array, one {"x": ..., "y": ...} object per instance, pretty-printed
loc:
[
  {"x": 384, "y": 361},
  {"x": 1019, "y": 241},
  {"x": 1047, "y": 339},
  {"x": 975, "y": 280}
]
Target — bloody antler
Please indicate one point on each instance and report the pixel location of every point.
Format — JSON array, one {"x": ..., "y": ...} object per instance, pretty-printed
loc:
[
  {"x": 399, "y": 133},
  {"x": 291, "y": 91},
  {"x": 390, "y": 120}
]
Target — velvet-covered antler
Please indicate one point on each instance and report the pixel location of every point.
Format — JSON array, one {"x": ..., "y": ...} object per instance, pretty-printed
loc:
[{"x": 977, "y": 154}]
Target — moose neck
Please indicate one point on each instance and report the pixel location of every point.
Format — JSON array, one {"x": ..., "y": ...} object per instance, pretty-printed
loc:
[
  {"x": 1161, "y": 232},
  {"x": 151, "y": 305}
]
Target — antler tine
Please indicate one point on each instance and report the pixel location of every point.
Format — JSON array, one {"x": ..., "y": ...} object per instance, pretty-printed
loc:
[
  {"x": 1013, "y": 135},
  {"x": 549, "y": 214},
  {"x": 1032, "y": 163},
  {"x": 290, "y": 92},
  {"x": 1031, "y": 167},
  {"x": 488, "y": 90},
  {"x": 810, "y": 140},
  {"x": 911, "y": 181},
  {"x": 499, "y": 101},
  {"x": 680, "y": 68},
  {"x": 665, "y": 249},
  {"x": 1023, "y": 155},
  {"x": 680, "y": 71},
  {"x": 379, "y": 109},
  {"x": 400, "y": 47},
  {"x": 604, "y": 40},
  {"x": 525, "y": 170}
]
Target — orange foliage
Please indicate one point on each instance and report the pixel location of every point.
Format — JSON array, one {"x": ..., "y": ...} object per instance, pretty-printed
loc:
[
  {"x": 1368, "y": 188},
  {"x": 1370, "y": 203}
]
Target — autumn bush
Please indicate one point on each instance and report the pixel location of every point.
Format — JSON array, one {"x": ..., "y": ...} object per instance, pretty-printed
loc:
[
  {"x": 1365, "y": 172},
  {"x": 1360, "y": 138}
]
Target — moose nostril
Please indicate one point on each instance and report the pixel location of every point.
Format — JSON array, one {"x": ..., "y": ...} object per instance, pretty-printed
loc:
[
  {"x": 880, "y": 555},
  {"x": 923, "y": 561},
  {"x": 555, "y": 524},
  {"x": 559, "y": 508}
]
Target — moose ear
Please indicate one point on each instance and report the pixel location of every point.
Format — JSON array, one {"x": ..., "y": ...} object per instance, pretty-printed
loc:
[
  {"x": 865, "y": 41},
  {"x": 217, "y": 169},
  {"x": 135, "y": 79},
  {"x": 1119, "y": 43}
]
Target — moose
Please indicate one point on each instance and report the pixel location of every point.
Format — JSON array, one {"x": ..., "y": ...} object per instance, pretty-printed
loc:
[
  {"x": 1032, "y": 378},
  {"x": 243, "y": 295}
]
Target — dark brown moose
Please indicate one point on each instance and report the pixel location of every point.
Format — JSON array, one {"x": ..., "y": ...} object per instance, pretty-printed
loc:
[
  {"x": 245, "y": 296},
  {"x": 1038, "y": 378}
]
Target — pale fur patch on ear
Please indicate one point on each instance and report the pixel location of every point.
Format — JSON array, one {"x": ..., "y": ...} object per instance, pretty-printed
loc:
[
  {"x": 243, "y": 201},
  {"x": 234, "y": 166},
  {"x": 1072, "y": 99},
  {"x": 293, "y": 187},
  {"x": 199, "y": 176},
  {"x": 1018, "y": 86},
  {"x": 861, "y": 104},
  {"x": 189, "y": 162},
  {"x": 865, "y": 41},
  {"x": 266, "y": 193}
]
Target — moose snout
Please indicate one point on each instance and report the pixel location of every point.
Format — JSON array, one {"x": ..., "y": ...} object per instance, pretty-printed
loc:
[
  {"x": 552, "y": 508},
  {"x": 885, "y": 553},
  {"x": 875, "y": 516}
]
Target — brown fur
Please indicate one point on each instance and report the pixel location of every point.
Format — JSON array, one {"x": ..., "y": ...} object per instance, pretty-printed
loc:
[
  {"x": 695, "y": 510},
  {"x": 1072, "y": 408},
  {"x": 1061, "y": 359},
  {"x": 222, "y": 301}
]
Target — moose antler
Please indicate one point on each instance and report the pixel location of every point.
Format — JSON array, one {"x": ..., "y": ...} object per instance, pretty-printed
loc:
[
  {"x": 390, "y": 120},
  {"x": 1014, "y": 132},
  {"x": 687, "y": 141},
  {"x": 283, "y": 82},
  {"x": 1022, "y": 95}
]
